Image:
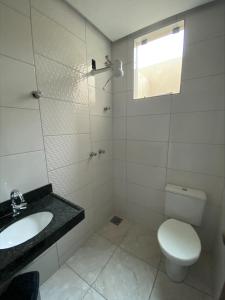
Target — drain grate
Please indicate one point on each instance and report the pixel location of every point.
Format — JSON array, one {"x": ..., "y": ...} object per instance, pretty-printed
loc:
[{"x": 116, "y": 220}]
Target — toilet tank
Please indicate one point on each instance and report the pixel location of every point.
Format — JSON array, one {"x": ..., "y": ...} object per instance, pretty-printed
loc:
[{"x": 185, "y": 204}]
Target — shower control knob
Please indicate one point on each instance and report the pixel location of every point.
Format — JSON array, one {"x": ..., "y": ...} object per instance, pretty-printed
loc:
[
  {"x": 92, "y": 154},
  {"x": 107, "y": 108},
  {"x": 101, "y": 151},
  {"x": 37, "y": 94}
]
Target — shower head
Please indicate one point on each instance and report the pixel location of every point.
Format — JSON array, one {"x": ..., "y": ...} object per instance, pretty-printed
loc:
[{"x": 117, "y": 68}]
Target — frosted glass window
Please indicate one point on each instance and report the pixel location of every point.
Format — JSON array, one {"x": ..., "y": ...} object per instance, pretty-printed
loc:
[{"x": 158, "y": 61}]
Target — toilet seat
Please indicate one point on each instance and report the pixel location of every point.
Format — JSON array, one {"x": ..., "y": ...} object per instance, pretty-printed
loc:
[{"x": 179, "y": 242}]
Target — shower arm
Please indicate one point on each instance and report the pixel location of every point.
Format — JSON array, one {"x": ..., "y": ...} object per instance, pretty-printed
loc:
[{"x": 101, "y": 70}]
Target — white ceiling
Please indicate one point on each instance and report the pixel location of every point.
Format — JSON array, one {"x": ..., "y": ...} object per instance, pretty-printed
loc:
[{"x": 118, "y": 18}]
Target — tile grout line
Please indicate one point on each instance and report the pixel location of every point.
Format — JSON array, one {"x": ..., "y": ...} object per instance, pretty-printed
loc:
[{"x": 36, "y": 79}]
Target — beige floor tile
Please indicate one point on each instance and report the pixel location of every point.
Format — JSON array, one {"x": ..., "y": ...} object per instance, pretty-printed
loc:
[
  {"x": 64, "y": 284},
  {"x": 142, "y": 243},
  {"x": 90, "y": 258},
  {"x": 93, "y": 295},
  {"x": 115, "y": 233},
  {"x": 126, "y": 278},
  {"x": 165, "y": 289},
  {"x": 199, "y": 275}
]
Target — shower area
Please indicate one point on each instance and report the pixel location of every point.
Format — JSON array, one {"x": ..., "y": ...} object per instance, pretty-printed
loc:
[{"x": 71, "y": 119}]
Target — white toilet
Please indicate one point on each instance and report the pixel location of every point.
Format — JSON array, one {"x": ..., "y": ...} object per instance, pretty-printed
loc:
[{"x": 177, "y": 238}]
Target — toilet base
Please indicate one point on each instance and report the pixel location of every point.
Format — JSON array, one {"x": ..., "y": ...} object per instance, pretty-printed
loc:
[{"x": 175, "y": 272}]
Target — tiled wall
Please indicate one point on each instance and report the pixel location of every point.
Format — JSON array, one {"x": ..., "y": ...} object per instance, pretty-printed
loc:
[
  {"x": 179, "y": 138},
  {"x": 46, "y": 45},
  {"x": 219, "y": 255}
]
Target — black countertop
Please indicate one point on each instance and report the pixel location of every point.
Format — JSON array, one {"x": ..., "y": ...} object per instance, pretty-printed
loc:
[{"x": 66, "y": 216}]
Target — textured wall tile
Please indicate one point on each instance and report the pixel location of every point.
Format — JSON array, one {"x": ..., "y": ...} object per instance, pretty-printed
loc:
[
  {"x": 98, "y": 100},
  {"x": 62, "y": 13},
  {"x": 55, "y": 42},
  {"x": 66, "y": 149},
  {"x": 101, "y": 128},
  {"x": 60, "y": 117},
  {"x": 61, "y": 82},
  {"x": 70, "y": 178}
]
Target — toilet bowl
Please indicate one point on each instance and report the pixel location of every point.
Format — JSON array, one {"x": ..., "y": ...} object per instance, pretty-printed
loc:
[
  {"x": 181, "y": 246},
  {"x": 177, "y": 238}
]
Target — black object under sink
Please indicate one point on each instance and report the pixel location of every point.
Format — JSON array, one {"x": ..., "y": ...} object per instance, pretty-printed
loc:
[{"x": 66, "y": 216}]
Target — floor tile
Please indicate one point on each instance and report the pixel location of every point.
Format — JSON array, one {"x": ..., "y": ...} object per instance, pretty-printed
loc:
[
  {"x": 93, "y": 295},
  {"x": 90, "y": 258},
  {"x": 115, "y": 233},
  {"x": 64, "y": 284},
  {"x": 199, "y": 275},
  {"x": 125, "y": 277},
  {"x": 165, "y": 289},
  {"x": 143, "y": 243}
]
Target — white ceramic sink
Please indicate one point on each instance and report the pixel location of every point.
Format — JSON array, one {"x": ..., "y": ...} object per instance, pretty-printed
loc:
[{"x": 24, "y": 229}]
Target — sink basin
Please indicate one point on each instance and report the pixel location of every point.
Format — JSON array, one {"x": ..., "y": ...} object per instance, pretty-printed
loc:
[{"x": 24, "y": 229}]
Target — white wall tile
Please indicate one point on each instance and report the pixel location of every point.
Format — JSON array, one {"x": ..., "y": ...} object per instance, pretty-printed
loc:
[
  {"x": 119, "y": 149},
  {"x": 99, "y": 81},
  {"x": 212, "y": 185},
  {"x": 207, "y": 230},
  {"x": 153, "y": 153},
  {"x": 119, "y": 104},
  {"x": 200, "y": 94},
  {"x": 102, "y": 194},
  {"x": 55, "y": 42},
  {"x": 97, "y": 41},
  {"x": 60, "y": 82},
  {"x": 62, "y": 13},
  {"x": 119, "y": 84},
  {"x": 120, "y": 50},
  {"x": 82, "y": 197},
  {"x": 46, "y": 264},
  {"x": 146, "y": 196},
  {"x": 66, "y": 149},
  {"x": 22, "y": 6},
  {"x": 60, "y": 117},
  {"x": 120, "y": 197},
  {"x": 15, "y": 90},
  {"x": 119, "y": 170},
  {"x": 119, "y": 128},
  {"x": 68, "y": 179},
  {"x": 154, "y": 127},
  {"x": 148, "y": 106},
  {"x": 22, "y": 171},
  {"x": 144, "y": 215},
  {"x": 202, "y": 158},
  {"x": 15, "y": 35},
  {"x": 203, "y": 58},
  {"x": 20, "y": 131},
  {"x": 103, "y": 145},
  {"x": 146, "y": 175},
  {"x": 198, "y": 127},
  {"x": 102, "y": 172},
  {"x": 98, "y": 100},
  {"x": 204, "y": 23},
  {"x": 101, "y": 128}
]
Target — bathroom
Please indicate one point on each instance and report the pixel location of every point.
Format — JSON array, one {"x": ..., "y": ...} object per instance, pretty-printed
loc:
[{"x": 112, "y": 154}]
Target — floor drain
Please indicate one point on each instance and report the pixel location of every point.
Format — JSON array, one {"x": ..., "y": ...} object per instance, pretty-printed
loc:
[{"x": 116, "y": 220}]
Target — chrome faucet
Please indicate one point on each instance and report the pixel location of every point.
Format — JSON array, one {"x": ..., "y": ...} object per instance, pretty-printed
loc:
[{"x": 15, "y": 197}]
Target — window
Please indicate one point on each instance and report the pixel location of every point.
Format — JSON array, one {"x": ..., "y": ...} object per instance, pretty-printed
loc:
[{"x": 158, "y": 62}]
